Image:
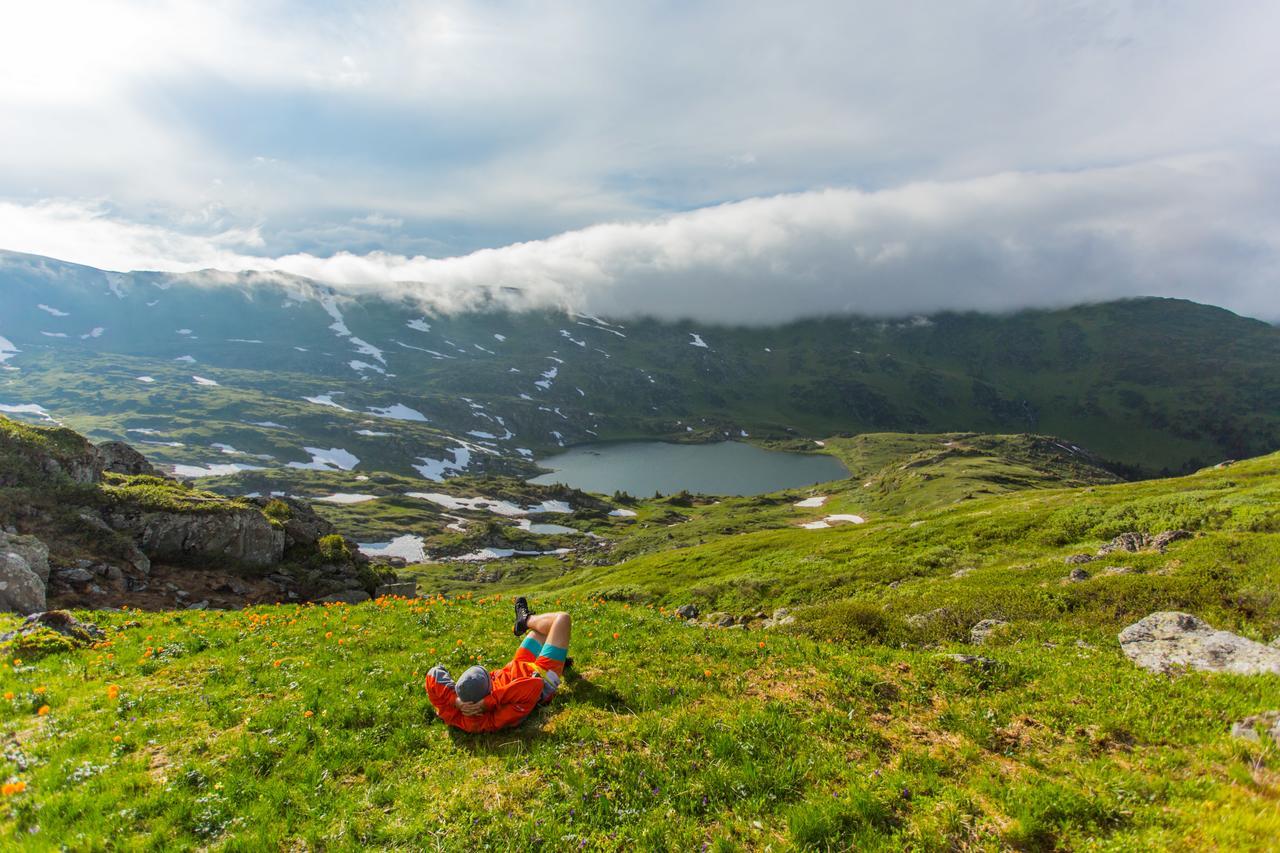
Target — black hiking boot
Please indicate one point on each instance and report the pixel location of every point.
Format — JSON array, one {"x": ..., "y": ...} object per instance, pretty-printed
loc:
[{"x": 522, "y": 616}]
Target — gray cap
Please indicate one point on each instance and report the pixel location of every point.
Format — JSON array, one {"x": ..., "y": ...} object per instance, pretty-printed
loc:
[{"x": 473, "y": 685}]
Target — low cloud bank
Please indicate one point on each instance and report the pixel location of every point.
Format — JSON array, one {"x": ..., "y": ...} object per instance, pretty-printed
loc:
[{"x": 1203, "y": 228}]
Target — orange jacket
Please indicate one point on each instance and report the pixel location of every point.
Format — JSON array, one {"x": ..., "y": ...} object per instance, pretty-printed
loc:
[{"x": 515, "y": 694}]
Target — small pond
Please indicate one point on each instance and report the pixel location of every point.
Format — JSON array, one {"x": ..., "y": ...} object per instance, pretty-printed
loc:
[{"x": 724, "y": 468}]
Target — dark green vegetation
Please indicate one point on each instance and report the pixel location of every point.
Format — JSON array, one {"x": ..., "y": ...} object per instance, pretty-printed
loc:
[
  {"x": 1156, "y": 384},
  {"x": 851, "y": 728}
]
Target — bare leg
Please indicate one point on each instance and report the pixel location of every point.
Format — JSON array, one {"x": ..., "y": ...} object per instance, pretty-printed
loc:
[{"x": 551, "y": 628}]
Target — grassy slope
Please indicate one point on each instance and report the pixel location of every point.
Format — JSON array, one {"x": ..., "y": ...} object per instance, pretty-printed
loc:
[{"x": 854, "y": 729}]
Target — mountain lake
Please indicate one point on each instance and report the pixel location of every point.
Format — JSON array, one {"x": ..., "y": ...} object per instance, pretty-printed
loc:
[{"x": 641, "y": 468}]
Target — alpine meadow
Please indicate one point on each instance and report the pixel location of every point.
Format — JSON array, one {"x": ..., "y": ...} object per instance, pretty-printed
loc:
[{"x": 723, "y": 427}]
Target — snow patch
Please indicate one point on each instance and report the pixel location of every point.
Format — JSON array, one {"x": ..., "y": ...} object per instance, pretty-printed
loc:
[
  {"x": 372, "y": 433},
  {"x": 146, "y": 379},
  {"x": 214, "y": 470},
  {"x": 399, "y": 412},
  {"x": 54, "y": 334},
  {"x": 200, "y": 380},
  {"x": 326, "y": 400},
  {"x": 623, "y": 513},
  {"x": 346, "y": 498},
  {"x": 95, "y": 332},
  {"x": 420, "y": 324},
  {"x": 408, "y": 547},
  {"x": 697, "y": 341},
  {"x": 189, "y": 359},
  {"x": 333, "y": 459},
  {"x": 811, "y": 502},
  {"x": 832, "y": 520},
  {"x": 26, "y": 409}
]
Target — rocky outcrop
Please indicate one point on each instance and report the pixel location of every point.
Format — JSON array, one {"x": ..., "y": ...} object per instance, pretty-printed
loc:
[
  {"x": 1133, "y": 542},
  {"x": 243, "y": 535},
  {"x": 1170, "y": 641},
  {"x": 24, "y": 573},
  {"x": 120, "y": 458}
]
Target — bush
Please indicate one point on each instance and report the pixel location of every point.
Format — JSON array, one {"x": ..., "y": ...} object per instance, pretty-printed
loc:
[
  {"x": 852, "y": 621},
  {"x": 277, "y": 511},
  {"x": 333, "y": 549}
]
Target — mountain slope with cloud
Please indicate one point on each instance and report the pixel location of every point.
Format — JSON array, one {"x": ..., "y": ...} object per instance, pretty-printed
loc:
[{"x": 300, "y": 367}]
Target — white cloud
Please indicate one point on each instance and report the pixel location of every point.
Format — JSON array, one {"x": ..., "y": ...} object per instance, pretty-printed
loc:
[{"x": 1204, "y": 228}]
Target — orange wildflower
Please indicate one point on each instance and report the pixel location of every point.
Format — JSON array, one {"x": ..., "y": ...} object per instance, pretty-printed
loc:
[
  {"x": 616, "y": 635},
  {"x": 308, "y": 713},
  {"x": 277, "y": 663},
  {"x": 39, "y": 691},
  {"x": 17, "y": 661},
  {"x": 8, "y": 694},
  {"x": 761, "y": 644},
  {"x": 707, "y": 673},
  {"x": 113, "y": 690},
  {"x": 42, "y": 711},
  {"x": 116, "y": 739},
  {"x": 11, "y": 788}
]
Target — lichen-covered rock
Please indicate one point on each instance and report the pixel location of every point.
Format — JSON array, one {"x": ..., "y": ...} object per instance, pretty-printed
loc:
[
  {"x": 1168, "y": 641},
  {"x": 1078, "y": 559},
  {"x": 687, "y": 611}
]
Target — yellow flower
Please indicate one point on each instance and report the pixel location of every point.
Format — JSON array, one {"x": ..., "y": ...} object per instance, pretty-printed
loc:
[{"x": 39, "y": 691}]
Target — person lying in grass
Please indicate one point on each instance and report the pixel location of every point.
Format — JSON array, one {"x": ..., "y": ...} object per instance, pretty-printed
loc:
[{"x": 483, "y": 701}]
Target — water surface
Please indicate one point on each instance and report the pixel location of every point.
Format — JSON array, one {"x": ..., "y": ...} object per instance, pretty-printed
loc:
[{"x": 725, "y": 468}]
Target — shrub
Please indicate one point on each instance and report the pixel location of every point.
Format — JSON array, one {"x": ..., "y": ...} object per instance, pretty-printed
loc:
[
  {"x": 333, "y": 548},
  {"x": 851, "y": 620},
  {"x": 277, "y": 511}
]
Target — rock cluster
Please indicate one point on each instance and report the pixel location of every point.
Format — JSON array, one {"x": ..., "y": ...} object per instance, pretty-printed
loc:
[
  {"x": 1134, "y": 542},
  {"x": 1169, "y": 641},
  {"x": 759, "y": 620}
]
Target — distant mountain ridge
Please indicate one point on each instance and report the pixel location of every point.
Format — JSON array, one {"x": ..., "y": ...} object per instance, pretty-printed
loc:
[{"x": 269, "y": 371}]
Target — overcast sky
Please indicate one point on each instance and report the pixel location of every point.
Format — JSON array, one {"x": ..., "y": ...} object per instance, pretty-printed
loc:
[{"x": 729, "y": 161}]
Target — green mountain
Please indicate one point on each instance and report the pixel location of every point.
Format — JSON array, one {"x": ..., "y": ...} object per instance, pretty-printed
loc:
[{"x": 1158, "y": 385}]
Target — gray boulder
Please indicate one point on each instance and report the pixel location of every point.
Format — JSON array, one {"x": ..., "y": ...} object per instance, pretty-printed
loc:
[
  {"x": 120, "y": 458},
  {"x": 1077, "y": 559},
  {"x": 979, "y": 633},
  {"x": 74, "y": 576},
  {"x": 1168, "y": 641},
  {"x": 30, "y": 549},
  {"x": 21, "y": 590},
  {"x": 242, "y": 535},
  {"x": 1077, "y": 574},
  {"x": 782, "y": 616},
  {"x": 687, "y": 611},
  {"x": 354, "y": 596}
]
